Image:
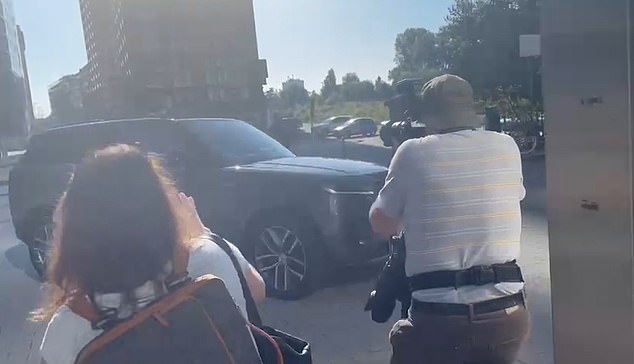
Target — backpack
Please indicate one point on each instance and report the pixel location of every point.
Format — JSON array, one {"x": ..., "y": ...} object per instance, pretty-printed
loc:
[{"x": 196, "y": 322}]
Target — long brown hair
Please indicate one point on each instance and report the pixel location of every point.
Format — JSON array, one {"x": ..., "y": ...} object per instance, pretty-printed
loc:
[{"x": 118, "y": 226}]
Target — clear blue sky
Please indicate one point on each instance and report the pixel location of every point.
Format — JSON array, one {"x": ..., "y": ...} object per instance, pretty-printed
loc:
[{"x": 300, "y": 38}]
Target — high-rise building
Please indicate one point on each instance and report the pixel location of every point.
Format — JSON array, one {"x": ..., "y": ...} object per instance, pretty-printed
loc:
[
  {"x": 14, "y": 110},
  {"x": 175, "y": 58},
  {"x": 66, "y": 100},
  {"x": 25, "y": 70}
]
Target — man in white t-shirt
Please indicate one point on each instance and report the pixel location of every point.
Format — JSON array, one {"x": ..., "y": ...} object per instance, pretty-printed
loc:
[{"x": 456, "y": 196}]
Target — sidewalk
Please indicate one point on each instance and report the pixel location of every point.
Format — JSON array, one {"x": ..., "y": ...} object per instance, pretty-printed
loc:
[{"x": 5, "y": 167}]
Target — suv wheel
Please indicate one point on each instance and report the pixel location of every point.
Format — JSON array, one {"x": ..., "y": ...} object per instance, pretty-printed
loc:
[
  {"x": 285, "y": 253},
  {"x": 39, "y": 247}
]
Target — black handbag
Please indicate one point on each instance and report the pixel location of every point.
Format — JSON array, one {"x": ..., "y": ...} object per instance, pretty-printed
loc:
[{"x": 293, "y": 350}]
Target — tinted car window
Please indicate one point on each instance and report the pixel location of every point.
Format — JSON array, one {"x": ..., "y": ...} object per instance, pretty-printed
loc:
[
  {"x": 235, "y": 142},
  {"x": 154, "y": 136},
  {"x": 68, "y": 145},
  {"x": 339, "y": 119}
]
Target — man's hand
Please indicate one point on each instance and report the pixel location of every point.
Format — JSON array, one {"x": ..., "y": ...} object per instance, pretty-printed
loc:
[{"x": 382, "y": 224}]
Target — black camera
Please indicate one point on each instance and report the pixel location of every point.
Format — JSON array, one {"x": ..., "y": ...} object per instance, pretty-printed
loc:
[
  {"x": 391, "y": 286},
  {"x": 405, "y": 110}
]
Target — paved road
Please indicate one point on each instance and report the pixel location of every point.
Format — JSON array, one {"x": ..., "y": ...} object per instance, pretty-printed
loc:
[{"x": 332, "y": 319}]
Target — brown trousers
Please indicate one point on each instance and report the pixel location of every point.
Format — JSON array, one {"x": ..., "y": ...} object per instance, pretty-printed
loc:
[{"x": 491, "y": 338}]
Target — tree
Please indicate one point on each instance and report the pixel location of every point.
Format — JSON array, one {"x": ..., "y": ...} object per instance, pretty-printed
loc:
[
  {"x": 357, "y": 91},
  {"x": 382, "y": 90},
  {"x": 479, "y": 42},
  {"x": 417, "y": 55},
  {"x": 329, "y": 86},
  {"x": 350, "y": 77}
]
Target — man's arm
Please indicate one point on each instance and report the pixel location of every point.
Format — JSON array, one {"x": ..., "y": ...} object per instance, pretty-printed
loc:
[
  {"x": 387, "y": 211},
  {"x": 382, "y": 224}
]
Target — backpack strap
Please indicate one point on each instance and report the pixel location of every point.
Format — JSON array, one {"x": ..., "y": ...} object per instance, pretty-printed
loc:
[
  {"x": 179, "y": 268},
  {"x": 251, "y": 308}
]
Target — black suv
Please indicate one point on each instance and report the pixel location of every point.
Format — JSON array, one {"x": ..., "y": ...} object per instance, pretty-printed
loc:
[{"x": 291, "y": 216}]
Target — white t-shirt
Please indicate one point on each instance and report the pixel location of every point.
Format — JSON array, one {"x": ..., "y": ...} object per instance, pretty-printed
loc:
[
  {"x": 458, "y": 196},
  {"x": 67, "y": 333}
]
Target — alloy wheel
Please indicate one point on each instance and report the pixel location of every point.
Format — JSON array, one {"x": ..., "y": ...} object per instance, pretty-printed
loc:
[
  {"x": 280, "y": 256},
  {"x": 40, "y": 249}
]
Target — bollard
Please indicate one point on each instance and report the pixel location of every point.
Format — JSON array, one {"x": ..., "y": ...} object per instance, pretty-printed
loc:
[{"x": 343, "y": 147}]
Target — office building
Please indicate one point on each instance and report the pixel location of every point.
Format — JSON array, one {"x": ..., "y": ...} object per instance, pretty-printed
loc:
[
  {"x": 14, "y": 111},
  {"x": 184, "y": 59},
  {"x": 25, "y": 70},
  {"x": 66, "y": 100}
]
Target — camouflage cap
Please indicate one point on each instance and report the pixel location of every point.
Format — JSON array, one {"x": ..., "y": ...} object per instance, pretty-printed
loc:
[{"x": 447, "y": 103}]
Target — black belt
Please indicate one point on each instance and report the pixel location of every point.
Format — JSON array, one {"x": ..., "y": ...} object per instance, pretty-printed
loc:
[
  {"x": 456, "y": 309},
  {"x": 474, "y": 276}
]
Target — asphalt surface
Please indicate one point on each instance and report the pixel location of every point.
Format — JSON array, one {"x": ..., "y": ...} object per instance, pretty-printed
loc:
[{"x": 332, "y": 319}]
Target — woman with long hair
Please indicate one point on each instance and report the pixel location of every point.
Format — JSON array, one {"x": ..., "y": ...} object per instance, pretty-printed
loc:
[{"x": 118, "y": 229}]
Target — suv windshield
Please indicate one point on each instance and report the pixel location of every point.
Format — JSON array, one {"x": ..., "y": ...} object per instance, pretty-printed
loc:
[{"x": 235, "y": 142}]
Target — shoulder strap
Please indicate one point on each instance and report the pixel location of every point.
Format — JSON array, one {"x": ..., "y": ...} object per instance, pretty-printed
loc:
[
  {"x": 252, "y": 308},
  {"x": 179, "y": 268}
]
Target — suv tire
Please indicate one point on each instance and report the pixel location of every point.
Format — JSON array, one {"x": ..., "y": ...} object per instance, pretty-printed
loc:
[
  {"x": 285, "y": 250},
  {"x": 39, "y": 240}
]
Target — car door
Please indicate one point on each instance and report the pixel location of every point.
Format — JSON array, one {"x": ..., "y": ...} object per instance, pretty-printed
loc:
[
  {"x": 162, "y": 140},
  {"x": 354, "y": 127},
  {"x": 369, "y": 127},
  {"x": 214, "y": 187}
]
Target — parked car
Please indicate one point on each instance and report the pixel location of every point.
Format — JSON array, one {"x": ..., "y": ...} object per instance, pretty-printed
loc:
[
  {"x": 357, "y": 126},
  {"x": 286, "y": 130},
  {"x": 326, "y": 127},
  {"x": 293, "y": 217}
]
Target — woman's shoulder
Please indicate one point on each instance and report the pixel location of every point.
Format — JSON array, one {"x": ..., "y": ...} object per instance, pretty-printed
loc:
[
  {"x": 66, "y": 334},
  {"x": 206, "y": 257},
  {"x": 205, "y": 246}
]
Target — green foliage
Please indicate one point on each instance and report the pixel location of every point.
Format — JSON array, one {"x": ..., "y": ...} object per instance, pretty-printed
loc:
[
  {"x": 382, "y": 90},
  {"x": 329, "y": 86},
  {"x": 417, "y": 55},
  {"x": 353, "y": 89},
  {"x": 357, "y": 91},
  {"x": 350, "y": 78},
  {"x": 480, "y": 42}
]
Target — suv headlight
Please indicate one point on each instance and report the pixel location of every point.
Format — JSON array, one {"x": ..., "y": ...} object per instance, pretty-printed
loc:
[{"x": 335, "y": 196}]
